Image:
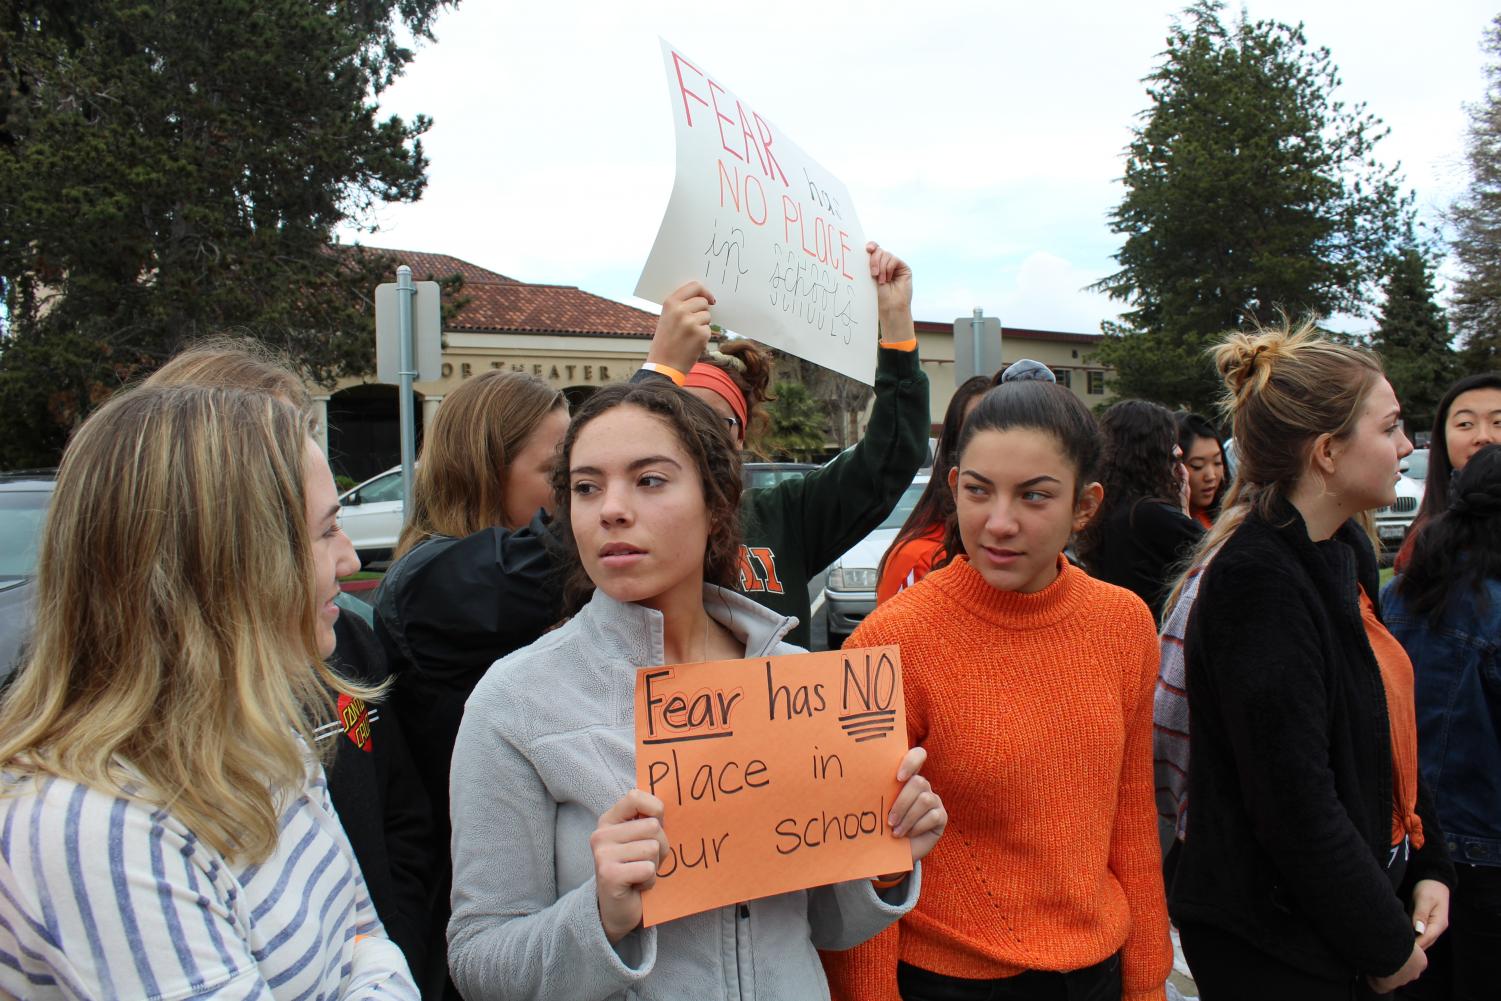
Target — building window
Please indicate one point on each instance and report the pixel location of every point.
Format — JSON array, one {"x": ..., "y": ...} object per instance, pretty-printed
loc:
[
  {"x": 1096, "y": 383},
  {"x": 1064, "y": 377}
]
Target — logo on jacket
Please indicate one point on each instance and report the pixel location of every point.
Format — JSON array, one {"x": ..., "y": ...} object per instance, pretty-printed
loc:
[
  {"x": 758, "y": 570},
  {"x": 355, "y": 718}
]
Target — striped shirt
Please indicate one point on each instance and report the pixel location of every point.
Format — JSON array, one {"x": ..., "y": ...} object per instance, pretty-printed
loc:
[
  {"x": 104, "y": 896},
  {"x": 1170, "y": 714}
]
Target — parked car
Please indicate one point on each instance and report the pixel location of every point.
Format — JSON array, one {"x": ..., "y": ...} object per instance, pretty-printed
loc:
[
  {"x": 760, "y": 475},
  {"x": 23, "y": 508},
  {"x": 1393, "y": 522},
  {"x": 1415, "y": 466},
  {"x": 371, "y": 516},
  {"x": 850, "y": 594}
]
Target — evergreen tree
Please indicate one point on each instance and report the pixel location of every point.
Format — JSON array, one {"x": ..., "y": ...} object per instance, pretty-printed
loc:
[
  {"x": 169, "y": 170},
  {"x": 1413, "y": 339},
  {"x": 1477, "y": 225},
  {"x": 1250, "y": 192},
  {"x": 797, "y": 423}
]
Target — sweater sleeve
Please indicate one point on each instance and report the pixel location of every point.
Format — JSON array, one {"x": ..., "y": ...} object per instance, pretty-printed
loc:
[
  {"x": 1255, "y": 671},
  {"x": 868, "y": 971},
  {"x": 840, "y": 503},
  {"x": 511, "y": 935},
  {"x": 1147, "y": 956},
  {"x": 843, "y": 915}
]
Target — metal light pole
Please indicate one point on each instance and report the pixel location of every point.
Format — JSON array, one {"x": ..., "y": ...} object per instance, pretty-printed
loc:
[{"x": 404, "y": 292}]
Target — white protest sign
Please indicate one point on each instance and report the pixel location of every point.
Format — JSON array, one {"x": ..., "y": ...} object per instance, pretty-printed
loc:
[{"x": 771, "y": 233}]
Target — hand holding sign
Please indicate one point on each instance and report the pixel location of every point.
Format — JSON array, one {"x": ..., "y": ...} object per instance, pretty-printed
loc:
[
  {"x": 628, "y": 846},
  {"x": 893, "y": 293},
  {"x": 683, "y": 328},
  {"x": 918, "y": 812}
]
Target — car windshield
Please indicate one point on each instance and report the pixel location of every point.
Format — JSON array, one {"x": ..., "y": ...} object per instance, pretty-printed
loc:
[
  {"x": 21, "y": 514},
  {"x": 898, "y": 515},
  {"x": 1417, "y": 464}
]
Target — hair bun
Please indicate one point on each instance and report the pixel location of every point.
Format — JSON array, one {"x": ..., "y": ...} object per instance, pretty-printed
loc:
[
  {"x": 1482, "y": 502},
  {"x": 1245, "y": 361}
]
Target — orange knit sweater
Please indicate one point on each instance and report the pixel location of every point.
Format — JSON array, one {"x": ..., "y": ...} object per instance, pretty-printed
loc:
[{"x": 1036, "y": 711}]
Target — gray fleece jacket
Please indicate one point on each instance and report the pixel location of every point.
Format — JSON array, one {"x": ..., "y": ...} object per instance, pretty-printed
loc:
[{"x": 547, "y": 745}]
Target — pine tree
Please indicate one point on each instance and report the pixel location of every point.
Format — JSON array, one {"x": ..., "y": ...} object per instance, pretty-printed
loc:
[
  {"x": 797, "y": 422},
  {"x": 1413, "y": 338},
  {"x": 1477, "y": 225},
  {"x": 169, "y": 170},
  {"x": 1251, "y": 192}
]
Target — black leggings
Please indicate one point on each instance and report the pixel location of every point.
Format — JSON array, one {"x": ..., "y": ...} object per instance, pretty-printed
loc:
[{"x": 1100, "y": 982}]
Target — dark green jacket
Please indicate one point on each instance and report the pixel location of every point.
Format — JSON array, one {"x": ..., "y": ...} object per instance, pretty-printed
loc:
[{"x": 798, "y": 527}]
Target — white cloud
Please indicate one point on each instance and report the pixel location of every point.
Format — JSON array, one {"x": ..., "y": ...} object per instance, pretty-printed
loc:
[{"x": 981, "y": 140}]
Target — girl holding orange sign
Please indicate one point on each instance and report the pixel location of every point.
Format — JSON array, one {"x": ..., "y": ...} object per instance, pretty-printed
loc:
[
  {"x": 1035, "y": 700},
  {"x": 552, "y": 844}
]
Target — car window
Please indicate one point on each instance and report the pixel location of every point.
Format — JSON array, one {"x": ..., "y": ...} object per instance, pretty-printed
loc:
[
  {"x": 21, "y": 516},
  {"x": 762, "y": 477},
  {"x": 898, "y": 515},
  {"x": 386, "y": 488}
]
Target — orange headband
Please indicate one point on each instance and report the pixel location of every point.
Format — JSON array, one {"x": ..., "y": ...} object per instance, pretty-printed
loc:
[{"x": 713, "y": 378}]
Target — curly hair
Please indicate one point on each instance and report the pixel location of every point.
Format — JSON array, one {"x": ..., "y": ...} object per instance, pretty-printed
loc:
[
  {"x": 750, "y": 367},
  {"x": 1138, "y": 464},
  {"x": 714, "y": 456}
]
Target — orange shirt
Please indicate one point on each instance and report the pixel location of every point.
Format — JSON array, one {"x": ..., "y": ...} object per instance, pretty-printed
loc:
[
  {"x": 910, "y": 562},
  {"x": 1401, "y": 713},
  {"x": 1203, "y": 518},
  {"x": 1036, "y": 711}
]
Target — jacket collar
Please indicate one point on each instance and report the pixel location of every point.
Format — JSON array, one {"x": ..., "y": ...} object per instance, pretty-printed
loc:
[
  {"x": 1340, "y": 565},
  {"x": 638, "y": 630}
]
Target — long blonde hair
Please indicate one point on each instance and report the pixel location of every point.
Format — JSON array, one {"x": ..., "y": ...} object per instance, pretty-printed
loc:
[
  {"x": 175, "y": 640},
  {"x": 460, "y": 484},
  {"x": 1283, "y": 388}
]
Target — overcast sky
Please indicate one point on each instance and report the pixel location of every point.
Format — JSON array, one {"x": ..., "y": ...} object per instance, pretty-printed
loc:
[{"x": 981, "y": 140}]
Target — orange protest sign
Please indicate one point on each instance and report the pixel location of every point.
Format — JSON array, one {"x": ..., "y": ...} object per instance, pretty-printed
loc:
[{"x": 777, "y": 774}]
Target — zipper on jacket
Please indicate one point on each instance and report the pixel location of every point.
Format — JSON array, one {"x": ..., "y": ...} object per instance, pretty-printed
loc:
[{"x": 742, "y": 929}]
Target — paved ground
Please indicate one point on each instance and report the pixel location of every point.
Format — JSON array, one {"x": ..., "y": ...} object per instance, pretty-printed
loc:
[{"x": 1180, "y": 980}]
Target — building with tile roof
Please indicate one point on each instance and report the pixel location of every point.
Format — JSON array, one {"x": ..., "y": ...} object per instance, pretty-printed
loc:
[
  {"x": 578, "y": 341},
  {"x": 575, "y": 340}
]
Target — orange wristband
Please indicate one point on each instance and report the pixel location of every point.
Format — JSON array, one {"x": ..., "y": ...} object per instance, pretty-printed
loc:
[
  {"x": 910, "y": 344},
  {"x": 669, "y": 371},
  {"x": 886, "y": 884}
]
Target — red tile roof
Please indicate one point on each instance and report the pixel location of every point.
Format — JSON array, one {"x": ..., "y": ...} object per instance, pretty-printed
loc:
[
  {"x": 551, "y": 309},
  {"x": 1021, "y": 333},
  {"x": 495, "y": 303},
  {"x": 436, "y": 267}
]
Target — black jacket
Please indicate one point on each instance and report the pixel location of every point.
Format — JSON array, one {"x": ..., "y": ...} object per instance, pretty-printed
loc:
[
  {"x": 378, "y": 796},
  {"x": 1290, "y": 783},
  {"x": 445, "y": 612},
  {"x": 1142, "y": 545}
]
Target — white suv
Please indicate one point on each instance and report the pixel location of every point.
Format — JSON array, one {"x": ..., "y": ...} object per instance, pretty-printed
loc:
[
  {"x": 1393, "y": 521},
  {"x": 371, "y": 516}
]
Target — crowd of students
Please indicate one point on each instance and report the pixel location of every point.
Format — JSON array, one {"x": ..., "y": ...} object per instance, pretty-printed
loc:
[{"x": 216, "y": 783}]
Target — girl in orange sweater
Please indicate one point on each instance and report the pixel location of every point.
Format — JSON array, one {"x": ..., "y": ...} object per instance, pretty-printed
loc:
[{"x": 1030, "y": 684}]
